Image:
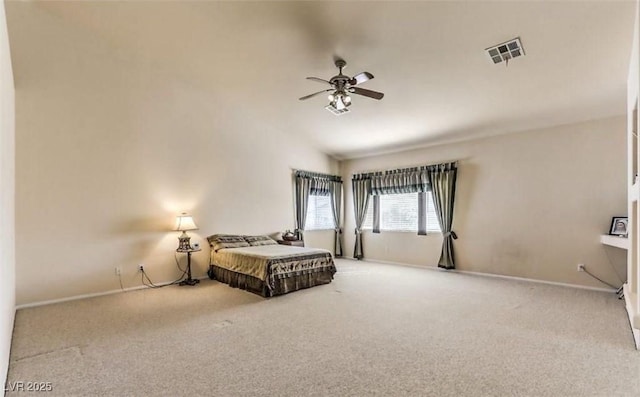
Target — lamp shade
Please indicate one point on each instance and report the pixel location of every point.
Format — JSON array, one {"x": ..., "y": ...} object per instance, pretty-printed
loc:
[{"x": 185, "y": 222}]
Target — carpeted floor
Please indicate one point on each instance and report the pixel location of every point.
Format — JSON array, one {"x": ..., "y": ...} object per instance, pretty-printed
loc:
[{"x": 376, "y": 330}]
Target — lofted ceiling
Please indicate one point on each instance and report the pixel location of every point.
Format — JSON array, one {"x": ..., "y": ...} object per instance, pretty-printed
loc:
[{"x": 427, "y": 57}]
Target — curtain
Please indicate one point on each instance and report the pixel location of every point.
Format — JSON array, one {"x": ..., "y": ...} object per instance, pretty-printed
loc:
[
  {"x": 335, "y": 193},
  {"x": 320, "y": 186},
  {"x": 422, "y": 213},
  {"x": 361, "y": 187},
  {"x": 302, "y": 190},
  {"x": 312, "y": 183},
  {"x": 376, "y": 213},
  {"x": 442, "y": 178},
  {"x": 408, "y": 180}
]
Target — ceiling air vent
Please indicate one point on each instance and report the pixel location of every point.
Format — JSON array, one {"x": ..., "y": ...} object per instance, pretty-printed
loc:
[
  {"x": 335, "y": 111},
  {"x": 505, "y": 51}
]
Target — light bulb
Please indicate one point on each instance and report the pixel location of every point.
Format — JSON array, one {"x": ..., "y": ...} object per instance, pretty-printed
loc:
[
  {"x": 331, "y": 97},
  {"x": 347, "y": 99}
]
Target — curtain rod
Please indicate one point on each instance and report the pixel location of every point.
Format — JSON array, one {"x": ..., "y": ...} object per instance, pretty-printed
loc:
[
  {"x": 401, "y": 170},
  {"x": 317, "y": 175}
]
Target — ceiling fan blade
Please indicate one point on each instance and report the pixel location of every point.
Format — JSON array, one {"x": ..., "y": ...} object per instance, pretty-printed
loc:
[
  {"x": 361, "y": 78},
  {"x": 368, "y": 93},
  {"x": 315, "y": 93},
  {"x": 319, "y": 80}
]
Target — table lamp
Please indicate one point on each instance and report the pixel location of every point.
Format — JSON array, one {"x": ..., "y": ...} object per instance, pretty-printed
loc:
[{"x": 184, "y": 222}]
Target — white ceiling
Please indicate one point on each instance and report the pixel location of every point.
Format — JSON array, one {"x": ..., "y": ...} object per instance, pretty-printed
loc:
[{"x": 427, "y": 57}]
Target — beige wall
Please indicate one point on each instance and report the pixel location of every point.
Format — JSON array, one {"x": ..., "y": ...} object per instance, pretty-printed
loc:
[
  {"x": 529, "y": 204},
  {"x": 7, "y": 190},
  {"x": 110, "y": 149}
]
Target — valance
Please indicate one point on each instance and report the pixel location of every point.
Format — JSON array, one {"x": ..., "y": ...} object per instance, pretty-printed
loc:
[
  {"x": 320, "y": 183},
  {"x": 400, "y": 181},
  {"x": 403, "y": 180},
  {"x": 310, "y": 174}
]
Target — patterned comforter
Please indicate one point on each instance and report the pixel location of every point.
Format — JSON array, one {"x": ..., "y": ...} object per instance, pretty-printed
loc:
[{"x": 269, "y": 262}]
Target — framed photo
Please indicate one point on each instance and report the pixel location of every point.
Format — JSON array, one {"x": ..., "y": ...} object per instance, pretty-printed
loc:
[{"x": 619, "y": 226}]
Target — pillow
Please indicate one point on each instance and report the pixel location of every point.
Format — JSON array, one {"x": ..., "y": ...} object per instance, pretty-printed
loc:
[
  {"x": 220, "y": 241},
  {"x": 259, "y": 240}
]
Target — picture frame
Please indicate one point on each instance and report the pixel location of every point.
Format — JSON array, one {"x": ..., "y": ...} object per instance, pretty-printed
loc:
[{"x": 619, "y": 226}]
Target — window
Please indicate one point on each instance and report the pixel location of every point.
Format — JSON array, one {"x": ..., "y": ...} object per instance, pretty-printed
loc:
[
  {"x": 319, "y": 213},
  {"x": 399, "y": 212}
]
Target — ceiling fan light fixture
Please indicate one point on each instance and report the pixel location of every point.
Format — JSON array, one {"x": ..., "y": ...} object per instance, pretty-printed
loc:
[
  {"x": 342, "y": 86},
  {"x": 335, "y": 111},
  {"x": 340, "y": 100}
]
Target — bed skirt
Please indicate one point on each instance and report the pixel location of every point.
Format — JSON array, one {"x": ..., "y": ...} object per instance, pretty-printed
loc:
[{"x": 281, "y": 285}]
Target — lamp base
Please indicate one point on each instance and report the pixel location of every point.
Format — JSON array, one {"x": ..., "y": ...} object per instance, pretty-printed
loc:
[
  {"x": 189, "y": 281},
  {"x": 184, "y": 242}
]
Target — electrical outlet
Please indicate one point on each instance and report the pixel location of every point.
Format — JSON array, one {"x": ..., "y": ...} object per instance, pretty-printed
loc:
[
  {"x": 141, "y": 267},
  {"x": 118, "y": 270},
  {"x": 580, "y": 267}
]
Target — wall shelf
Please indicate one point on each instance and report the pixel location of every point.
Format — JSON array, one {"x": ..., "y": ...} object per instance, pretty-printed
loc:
[{"x": 615, "y": 241}]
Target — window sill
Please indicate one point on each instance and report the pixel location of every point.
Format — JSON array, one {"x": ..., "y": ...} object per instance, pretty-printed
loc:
[{"x": 403, "y": 231}]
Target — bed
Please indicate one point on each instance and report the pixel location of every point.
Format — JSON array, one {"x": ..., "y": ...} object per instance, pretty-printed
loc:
[{"x": 259, "y": 264}]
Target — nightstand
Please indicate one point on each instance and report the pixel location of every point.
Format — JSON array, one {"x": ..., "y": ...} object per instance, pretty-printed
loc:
[
  {"x": 295, "y": 243},
  {"x": 189, "y": 280}
]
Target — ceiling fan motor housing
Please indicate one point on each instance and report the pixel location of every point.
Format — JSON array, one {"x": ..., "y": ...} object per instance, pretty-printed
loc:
[{"x": 340, "y": 81}]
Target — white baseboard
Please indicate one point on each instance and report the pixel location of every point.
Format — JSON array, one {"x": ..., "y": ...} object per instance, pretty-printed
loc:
[
  {"x": 95, "y": 294},
  {"x": 531, "y": 280}
]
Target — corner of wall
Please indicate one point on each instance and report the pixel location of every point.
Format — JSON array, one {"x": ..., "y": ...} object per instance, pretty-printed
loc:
[{"x": 7, "y": 200}]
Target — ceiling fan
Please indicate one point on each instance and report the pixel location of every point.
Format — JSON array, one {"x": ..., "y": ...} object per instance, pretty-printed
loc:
[{"x": 341, "y": 87}]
